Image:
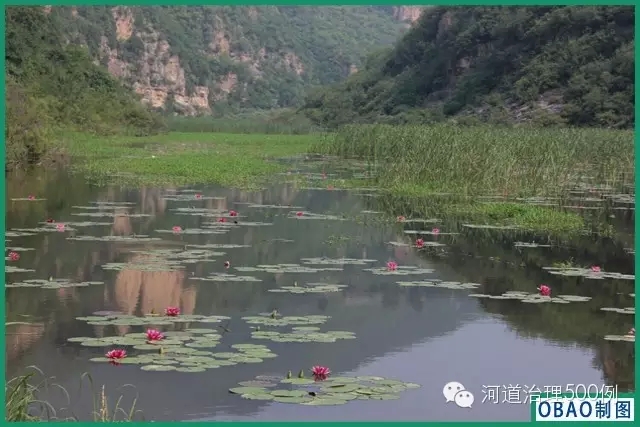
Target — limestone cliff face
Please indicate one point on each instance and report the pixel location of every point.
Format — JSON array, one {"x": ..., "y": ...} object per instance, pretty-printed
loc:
[
  {"x": 408, "y": 14},
  {"x": 246, "y": 57}
]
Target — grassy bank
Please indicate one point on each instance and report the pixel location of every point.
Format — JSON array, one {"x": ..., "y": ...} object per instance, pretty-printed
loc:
[
  {"x": 232, "y": 160},
  {"x": 414, "y": 164}
]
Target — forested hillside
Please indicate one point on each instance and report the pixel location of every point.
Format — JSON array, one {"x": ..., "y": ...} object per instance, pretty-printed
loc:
[
  {"x": 51, "y": 86},
  {"x": 192, "y": 60},
  {"x": 550, "y": 65}
]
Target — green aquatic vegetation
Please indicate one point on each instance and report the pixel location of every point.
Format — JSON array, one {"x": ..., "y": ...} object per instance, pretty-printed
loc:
[
  {"x": 233, "y": 224},
  {"x": 145, "y": 265},
  {"x": 628, "y": 338},
  {"x": 189, "y": 197},
  {"x": 429, "y": 233},
  {"x": 332, "y": 391},
  {"x": 195, "y": 231},
  {"x": 309, "y": 215},
  {"x": 587, "y": 273},
  {"x": 336, "y": 261},
  {"x": 82, "y": 224},
  {"x": 399, "y": 271},
  {"x": 625, "y": 310},
  {"x": 303, "y": 334},
  {"x": 120, "y": 239},
  {"x": 182, "y": 256},
  {"x": 273, "y": 319},
  {"x": 439, "y": 284},
  {"x": 530, "y": 245},
  {"x": 224, "y": 277},
  {"x": 111, "y": 214},
  {"x": 112, "y": 204},
  {"x": 490, "y": 227},
  {"x": 19, "y": 249},
  {"x": 99, "y": 207},
  {"x": 151, "y": 319},
  {"x": 51, "y": 284},
  {"x": 13, "y": 269},
  {"x": 534, "y": 298},
  {"x": 286, "y": 268},
  {"x": 308, "y": 288},
  {"x": 29, "y": 199},
  {"x": 259, "y": 206},
  {"x": 179, "y": 351},
  {"x": 219, "y": 246},
  {"x": 43, "y": 229},
  {"x": 10, "y": 233}
]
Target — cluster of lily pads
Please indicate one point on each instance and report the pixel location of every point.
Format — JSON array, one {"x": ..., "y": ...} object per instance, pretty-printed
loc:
[
  {"x": 588, "y": 273},
  {"x": 534, "y": 298},
  {"x": 150, "y": 319},
  {"x": 303, "y": 334},
  {"x": 405, "y": 270},
  {"x": 625, "y": 310},
  {"x": 286, "y": 268},
  {"x": 309, "y": 288},
  {"x": 274, "y": 319},
  {"x": 51, "y": 284},
  {"x": 332, "y": 391},
  {"x": 225, "y": 277},
  {"x": 439, "y": 284}
]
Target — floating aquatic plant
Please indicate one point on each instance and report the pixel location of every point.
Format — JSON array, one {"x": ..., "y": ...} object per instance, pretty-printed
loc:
[
  {"x": 111, "y": 214},
  {"x": 273, "y": 319},
  {"x": 151, "y": 264},
  {"x": 195, "y": 231},
  {"x": 98, "y": 207},
  {"x": 223, "y": 224},
  {"x": 82, "y": 224},
  {"x": 11, "y": 233},
  {"x": 130, "y": 320},
  {"x": 534, "y": 298},
  {"x": 182, "y": 256},
  {"x": 189, "y": 197},
  {"x": 259, "y": 206},
  {"x": 588, "y": 273},
  {"x": 219, "y": 246},
  {"x": 29, "y": 198},
  {"x": 625, "y": 310},
  {"x": 490, "y": 227},
  {"x": 439, "y": 284},
  {"x": 327, "y": 391},
  {"x": 336, "y": 261},
  {"x": 56, "y": 228},
  {"x": 627, "y": 337},
  {"x": 51, "y": 284},
  {"x": 286, "y": 268},
  {"x": 309, "y": 215},
  {"x": 308, "y": 288},
  {"x": 120, "y": 239},
  {"x": 13, "y": 269},
  {"x": 429, "y": 232},
  {"x": 303, "y": 334},
  {"x": 223, "y": 277},
  {"x": 530, "y": 245},
  {"x": 399, "y": 270},
  {"x": 178, "y": 351}
]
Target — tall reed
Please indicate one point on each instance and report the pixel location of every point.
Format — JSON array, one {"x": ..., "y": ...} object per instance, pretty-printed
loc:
[{"x": 488, "y": 160}]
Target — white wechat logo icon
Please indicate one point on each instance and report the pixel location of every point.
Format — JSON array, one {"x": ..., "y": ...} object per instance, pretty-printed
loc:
[{"x": 456, "y": 393}]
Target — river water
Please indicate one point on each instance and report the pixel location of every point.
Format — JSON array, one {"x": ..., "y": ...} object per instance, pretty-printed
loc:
[{"x": 425, "y": 335}]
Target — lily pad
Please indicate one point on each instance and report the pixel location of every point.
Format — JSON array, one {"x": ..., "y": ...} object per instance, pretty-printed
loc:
[
  {"x": 399, "y": 271},
  {"x": 224, "y": 277}
]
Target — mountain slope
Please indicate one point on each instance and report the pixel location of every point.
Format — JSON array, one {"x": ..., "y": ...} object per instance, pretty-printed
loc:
[
  {"x": 52, "y": 86},
  {"x": 553, "y": 65},
  {"x": 198, "y": 59}
]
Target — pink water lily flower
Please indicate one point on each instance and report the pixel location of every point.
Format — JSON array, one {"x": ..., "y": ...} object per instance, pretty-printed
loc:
[
  {"x": 595, "y": 269},
  {"x": 392, "y": 266},
  {"x": 320, "y": 373},
  {"x": 222, "y": 220},
  {"x": 299, "y": 213},
  {"x": 544, "y": 290},
  {"x": 116, "y": 355},
  {"x": 177, "y": 229},
  {"x": 400, "y": 218},
  {"x": 171, "y": 311},
  {"x": 154, "y": 335},
  {"x": 233, "y": 213},
  {"x": 435, "y": 230},
  {"x": 419, "y": 243},
  {"x": 198, "y": 196},
  {"x": 60, "y": 227},
  {"x": 31, "y": 197},
  {"x": 14, "y": 256}
]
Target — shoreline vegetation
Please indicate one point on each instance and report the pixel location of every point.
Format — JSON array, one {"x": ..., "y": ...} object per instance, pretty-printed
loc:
[{"x": 23, "y": 401}]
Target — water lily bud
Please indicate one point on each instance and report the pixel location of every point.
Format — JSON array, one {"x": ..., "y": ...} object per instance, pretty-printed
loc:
[
  {"x": 301, "y": 373},
  {"x": 289, "y": 374}
]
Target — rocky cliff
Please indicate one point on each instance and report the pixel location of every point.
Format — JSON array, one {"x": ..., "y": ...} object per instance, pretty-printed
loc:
[{"x": 193, "y": 60}]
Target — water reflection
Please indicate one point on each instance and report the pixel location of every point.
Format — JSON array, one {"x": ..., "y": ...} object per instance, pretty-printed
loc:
[{"x": 425, "y": 335}]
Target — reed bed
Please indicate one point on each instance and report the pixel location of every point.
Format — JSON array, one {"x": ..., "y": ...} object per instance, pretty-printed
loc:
[{"x": 487, "y": 160}]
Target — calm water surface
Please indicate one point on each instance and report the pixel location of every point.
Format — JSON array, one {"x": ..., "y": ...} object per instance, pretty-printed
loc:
[{"x": 428, "y": 336}]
